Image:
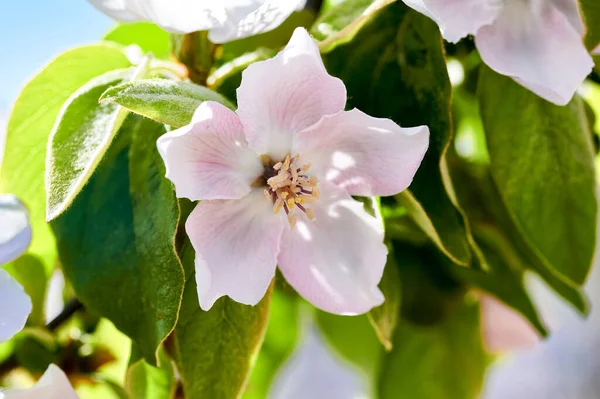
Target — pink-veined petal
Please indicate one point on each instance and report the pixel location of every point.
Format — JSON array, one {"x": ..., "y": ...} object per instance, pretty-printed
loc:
[
  {"x": 364, "y": 155},
  {"x": 209, "y": 158},
  {"x": 504, "y": 329},
  {"x": 286, "y": 94},
  {"x": 335, "y": 261},
  {"x": 54, "y": 384},
  {"x": 236, "y": 243},
  {"x": 15, "y": 230},
  {"x": 458, "y": 18},
  {"x": 538, "y": 47},
  {"x": 15, "y": 307},
  {"x": 252, "y": 17}
]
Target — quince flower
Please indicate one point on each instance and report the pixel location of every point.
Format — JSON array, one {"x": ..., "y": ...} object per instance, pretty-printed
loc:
[
  {"x": 54, "y": 384},
  {"x": 536, "y": 42},
  {"x": 276, "y": 179},
  {"x": 15, "y": 236},
  {"x": 226, "y": 20}
]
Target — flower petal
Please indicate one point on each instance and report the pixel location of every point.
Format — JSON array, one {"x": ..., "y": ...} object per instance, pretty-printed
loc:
[
  {"x": 177, "y": 16},
  {"x": 570, "y": 9},
  {"x": 253, "y": 17},
  {"x": 503, "y": 328},
  {"x": 362, "y": 154},
  {"x": 54, "y": 384},
  {"x": 209, "y": 158},
  {"x": 315, "y": 371},
  {"x": 538, "y": 47},
  {"x": 458, "y": 18},
  {"x": 236, "y": 243},
  {"x": 286, "y": 94},
  {"x": 13, "y": 317},
  {"x": 15, "y": 232},
  {"x": 336, "y": 261}
]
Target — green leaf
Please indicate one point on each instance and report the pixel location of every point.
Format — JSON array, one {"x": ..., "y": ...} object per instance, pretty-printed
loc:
[
  {"x": 338, "y": 17},
  {"x": 29, "y": 271},
  {"x": 116, "y": 242},
  {"x": 147, "y": 382},
  {"x": 217, "y": 349},
  {"x": 82, "y": 133},
  {"x": 429, "y": 292},
  {"x": 502, "y": 249},
  {"x": 542, "y": 162},
  {"x": 353, "y": 338},
  {"x": 442, "y": 361},
  {"x": 591, "y": 16},
  {"x": 281, "y": 338},
  {"x": 395, "y": 68},
  {"x": 348, "y": 32},
  {"x": 165, "y": 101},
  {"x": 148, "y": 36},
  {"x": 384, "y": 318},
  {"x": 29, "y": 127}
]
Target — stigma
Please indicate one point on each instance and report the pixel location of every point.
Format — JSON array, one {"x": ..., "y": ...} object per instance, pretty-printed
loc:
[{"x": 289, "y": 187}]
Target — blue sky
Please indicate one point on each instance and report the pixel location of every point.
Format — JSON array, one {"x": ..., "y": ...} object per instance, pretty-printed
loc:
[{"x": 32, "y": 32}]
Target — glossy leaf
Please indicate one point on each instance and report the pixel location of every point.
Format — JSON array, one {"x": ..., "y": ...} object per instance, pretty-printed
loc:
[
  {"x": 165, "y": 101},
  {"x": 395, "y": 68},
  {"x": 217, "y": 349},
  {"x": 436, "y": 362},
  {"x": 116, "y": 242},
  {"x": 29, "y": 127},
  {"x": 148, "y": 36},
  {"x": 542, "y": 162}
]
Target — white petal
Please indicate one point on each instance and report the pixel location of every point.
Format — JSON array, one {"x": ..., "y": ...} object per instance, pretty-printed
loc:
[
  {"x": 538, "y": 47},
  {"x": 365, "y": 155},
  {"x": 54, "y": 384},
  {"x": 226, "y": 19},
  {"x": 286, "y": 94},
  {"x": 315, "y": 372},
  {"x": 209, "y": 158},
  {"x": 15, "y": 231},
  {"x": 336, "y": 261},
  {"x": 15, "y": 307},
  {"x": 256, "y": 17},
  {"x": 236, "y": 243},
  {"x": 458, "y": 18},
  {"x": 177, "y": 16},
  {"x": 570, "y": 9}
]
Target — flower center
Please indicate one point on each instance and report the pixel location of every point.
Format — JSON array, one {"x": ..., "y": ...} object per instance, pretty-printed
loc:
[{"x": 290, "y": 187}]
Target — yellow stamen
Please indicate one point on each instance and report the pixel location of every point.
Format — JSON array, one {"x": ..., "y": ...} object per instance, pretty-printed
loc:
[
  {"x": 292, "y": 220},
  {"x": 277, "y": 207},
  {"x": 310, "y": 214}
]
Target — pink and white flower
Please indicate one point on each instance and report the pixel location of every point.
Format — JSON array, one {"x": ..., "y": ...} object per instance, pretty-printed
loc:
[
  {"x": 536, "y": 42},
  {"x": 226, "y": 20},
  {"x": 54, "y": 384},
  {"x": 276, "y": 180},
  {"x": 15, "y": 236}
]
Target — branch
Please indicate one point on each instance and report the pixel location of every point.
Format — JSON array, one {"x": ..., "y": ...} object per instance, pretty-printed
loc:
[{"x": 69, "y": 310}]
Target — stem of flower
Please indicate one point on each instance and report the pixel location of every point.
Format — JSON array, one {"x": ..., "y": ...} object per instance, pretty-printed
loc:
[
  {"x": 68, "y": 311},
  {"x": 197, "y": 53}
]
